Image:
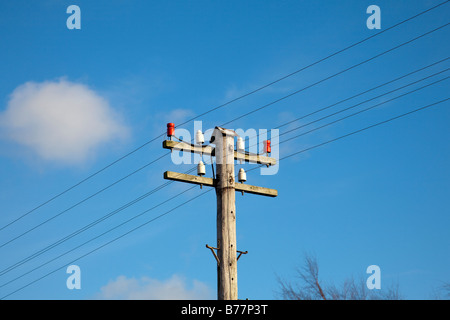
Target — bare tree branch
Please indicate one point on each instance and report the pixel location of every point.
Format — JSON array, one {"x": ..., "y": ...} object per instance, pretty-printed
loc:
[{"x": 309, "y": 287}]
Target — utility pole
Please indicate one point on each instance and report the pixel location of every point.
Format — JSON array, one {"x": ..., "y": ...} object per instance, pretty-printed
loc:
[{"x": 225, "y": 186}]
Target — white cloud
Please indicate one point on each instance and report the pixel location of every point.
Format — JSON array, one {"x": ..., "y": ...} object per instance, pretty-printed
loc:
[
  {"x": 178, "y": 116},
  {"x": 174, "y": 288},
  {"x": 60, "y": 120}
]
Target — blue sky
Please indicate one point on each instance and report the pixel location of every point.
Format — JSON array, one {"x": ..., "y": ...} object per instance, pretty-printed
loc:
[{"x": 73, "y": 101}]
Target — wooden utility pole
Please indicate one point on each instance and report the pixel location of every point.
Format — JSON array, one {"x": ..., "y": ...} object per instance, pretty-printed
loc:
[
  {"x": 226, "y": 216},
  {"x": 225, "y": 186}
]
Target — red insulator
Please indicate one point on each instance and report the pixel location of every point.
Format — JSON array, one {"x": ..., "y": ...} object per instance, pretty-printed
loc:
[
  {"x": 267, "y": 147},
  {"x": 170, "y": 129}
]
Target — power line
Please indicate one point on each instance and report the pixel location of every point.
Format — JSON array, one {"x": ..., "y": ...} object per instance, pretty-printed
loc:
[
  {"x": 86, "y": 227},
  {"x": 361, "y": 93},
  {"x": 365, "y": 101},
  {"x": 317, "y": 62},
  {"x": 218, "y": 107},
  {"x": 153, "y": 161},
  {"x": 79, "y": 183},
  {"x": 98, "y": 236},
  {"x": 107, "y": 243},
  {"x": 162, "y": 186},
  {"x": 360, "y": 111},
  {"x": 335, "y": 74},
  {"x": 366, "y": 128},
  {"x": 355, "y": 113},
  {"x": 357, "y": 131},
  {"x": 81, "y": 201},
  {"x": 283, "y": 158},
  {"x": 190, "y": 170},
  {"x": 239, "y": 117},
  {"x": 362, "y": 102},
  {"x": 227, "y": 122}
]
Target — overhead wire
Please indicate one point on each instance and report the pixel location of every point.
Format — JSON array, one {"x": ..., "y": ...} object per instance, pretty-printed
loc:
[
  {"x": 358, "y": 131},
  {"x": 180, "y": 205},
  {"x": 360, "y": 103},
  {"x": 192, "y": 169},
  {"x": 221, "y": 106},
  {"x": 162, "y": 186},
  {"x": 97, "y": 236},
  {"x": 236, "y": 119},
  {"x": 347, "y": 99},
  {"x": 80, "y": 202},
  {"x": 335, "y": 74},
  {"x": 363, "y": 92},
  {"x": 88, "y": 226},
  {"x": 109, "y": 242},
  {"x": 367, "y": 128},
  {"x": 357, "y": 112},
  {"x": 244, "y": 115}
]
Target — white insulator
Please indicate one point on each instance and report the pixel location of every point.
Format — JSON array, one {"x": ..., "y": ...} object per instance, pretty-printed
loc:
[
  {"x": 240, "y": 146},
  {"x": 199, "y": 138},
  {"x": 201, "y": 168},
  {"x": 242, "y": 176}
]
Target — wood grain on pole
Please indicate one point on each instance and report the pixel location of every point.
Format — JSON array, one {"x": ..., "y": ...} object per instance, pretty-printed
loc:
[{"x": 226, "y": 217}]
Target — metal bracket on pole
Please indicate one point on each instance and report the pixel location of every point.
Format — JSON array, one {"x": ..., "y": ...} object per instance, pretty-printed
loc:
[
  {"x": 241, "y": 253},
  {"x": 217, "y": 258},
  {"x": 214, "y": 253}
]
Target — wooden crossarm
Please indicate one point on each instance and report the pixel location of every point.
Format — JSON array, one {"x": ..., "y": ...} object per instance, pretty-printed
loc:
[
  {"x": 210, "y": 182},
  {"x": 208, "y": 150}
]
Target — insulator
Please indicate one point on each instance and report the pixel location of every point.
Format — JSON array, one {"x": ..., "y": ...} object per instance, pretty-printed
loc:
[
  {"x": 201, "y": 168},
  {"x": 199, "y": 138},
  {"x": 170, "y": 129},
  {"x": 267, "y": 147},
  {"x": 240, "y": 146},
  {"x": 242, "y": 176}
]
